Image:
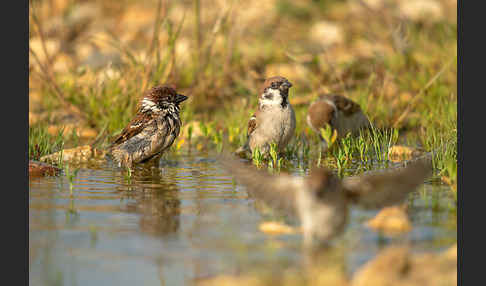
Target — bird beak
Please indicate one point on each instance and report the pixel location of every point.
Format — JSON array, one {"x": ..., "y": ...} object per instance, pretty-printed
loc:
[
  {"x": 286, "y": 85},
  {"x": 180, "y": 98}
]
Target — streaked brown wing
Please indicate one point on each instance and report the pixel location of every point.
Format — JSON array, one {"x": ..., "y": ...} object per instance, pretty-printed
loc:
[
  {"x": 252, "y": 124},
  {"x": 346, "y": 105},
  {"x": 278, "y": 191},
  {"x": 380, "y": 189},
  {"x": 133, "y": 128}
]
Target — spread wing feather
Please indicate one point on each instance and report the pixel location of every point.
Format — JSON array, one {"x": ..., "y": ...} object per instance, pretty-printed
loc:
[
  {"x": 278, "y": 191},
  {"x": 380, "y": 189}
]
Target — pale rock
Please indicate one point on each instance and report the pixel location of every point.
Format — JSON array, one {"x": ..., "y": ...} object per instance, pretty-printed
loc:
[
  {"x": 52, "y": 47},
  {"x": 62, "y": 63},
  {"x": 40, "y": 169},
  {"x": 83, "y": 51},
  {"x": 366, "y": 49},
  {"x": 385, "y": 269},
  {"x": 78, "y": 154},
  {"x": 398, "y": 266},
  {"x": 254, "y": 13},
  {"x": 183, "y": 50},
  {"x": 421, "y": 10},
  {"x": 391, "y": 221},
  {"x": 326, "y": 34},
  {"x": 399, "y": 153},
  {"x": 109, "y": 73},
  {"x": 374, "y": 4},
  {"x": 274, "y": 228}
]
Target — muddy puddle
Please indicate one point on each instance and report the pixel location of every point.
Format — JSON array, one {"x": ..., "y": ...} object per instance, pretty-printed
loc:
[{"x": 187, "y": 221}]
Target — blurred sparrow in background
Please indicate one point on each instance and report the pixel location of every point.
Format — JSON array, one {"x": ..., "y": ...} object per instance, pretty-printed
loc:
[{"x": 340, "y": 113}]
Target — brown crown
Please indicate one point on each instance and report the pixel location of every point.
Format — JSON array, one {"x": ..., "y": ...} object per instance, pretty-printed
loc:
[
  {"x": 159, "y": 92},
  {"x": 268, "y": 82}
]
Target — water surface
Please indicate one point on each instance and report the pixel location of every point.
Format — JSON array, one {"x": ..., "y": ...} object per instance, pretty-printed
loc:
[{"x": 188, "y": 220}]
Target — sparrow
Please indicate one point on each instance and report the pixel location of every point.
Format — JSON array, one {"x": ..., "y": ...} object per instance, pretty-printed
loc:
[
  {"x": 321, "y": 200},
  {"x": 152, "y": 130},
  {"x": 274, "y": 120},
  {"x": 341, "y": 113}
]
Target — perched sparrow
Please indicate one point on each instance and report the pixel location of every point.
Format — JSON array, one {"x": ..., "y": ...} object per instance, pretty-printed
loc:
[
  {"x": 342, "y": 114},
  {"x": 153, "y": 130},
  {"x": 321, "y": 200},
  {"x": 274, "y": 121}
]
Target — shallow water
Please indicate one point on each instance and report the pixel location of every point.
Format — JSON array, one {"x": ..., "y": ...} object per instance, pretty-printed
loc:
[{"x": 185, "y": 221}]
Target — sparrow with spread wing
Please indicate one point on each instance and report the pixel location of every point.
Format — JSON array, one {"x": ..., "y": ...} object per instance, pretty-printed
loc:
[{"x": 321, "y": 200}]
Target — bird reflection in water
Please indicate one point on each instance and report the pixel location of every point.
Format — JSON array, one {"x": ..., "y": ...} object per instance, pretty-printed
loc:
[{"x": 154, "y": 195}]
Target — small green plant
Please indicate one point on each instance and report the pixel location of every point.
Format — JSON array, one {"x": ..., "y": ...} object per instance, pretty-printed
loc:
[
  {"x": 206, "y": 129},
  {"x": 74, "y": 137},
  {"x": 319, "y": 158},
  {"x": 60, "y": 161},
  {"x": 346, "y": 146},
  {"x": 291, "y": 150},
  {"x": 305, "y": 150},
  {"x": 450, "y": 175},
  {"x": 189, "y": 134},
  {"x": 329, "y": 134},
  {"x": 257, "y": 157},
  {"x": 381, "y": 141},
  {"x": 218, "y": 140},
  {"x": 42, "y": 143},
  {"x": 234, "y": 135},
  {"x": 377, "y": 143},
  {"x": 275, "y": 162},
  {"x": 71, "y": 176},
  {"x": 423, "y": 89},
  {"x": 341, "y": 161},
  {"x": 128, "y": 175}
]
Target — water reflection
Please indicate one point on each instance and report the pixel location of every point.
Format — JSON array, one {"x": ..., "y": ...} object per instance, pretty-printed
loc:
[
  {"x": 186, "y": 220},
  {"x": 155, "y": 198}
]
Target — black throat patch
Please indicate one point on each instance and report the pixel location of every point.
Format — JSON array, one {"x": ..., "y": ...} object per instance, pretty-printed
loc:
[{"x": 285, "y": 100}]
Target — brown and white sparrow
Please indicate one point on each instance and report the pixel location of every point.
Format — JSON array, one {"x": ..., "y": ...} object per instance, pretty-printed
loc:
[
  {"x": 274, "y": 121},
  {"x": 321, "y": 200},
  {"x": 341, "y": 113},
  {"x": 152, "y": 130}
]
